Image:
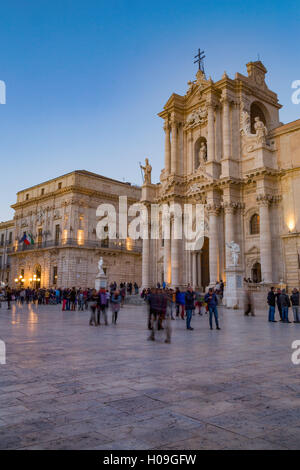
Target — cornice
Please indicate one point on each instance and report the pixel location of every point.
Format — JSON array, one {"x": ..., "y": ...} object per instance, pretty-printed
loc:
[{"x": 71, "y": 189}]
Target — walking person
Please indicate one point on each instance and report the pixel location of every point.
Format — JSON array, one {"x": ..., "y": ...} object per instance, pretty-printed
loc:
[
  {"x": 189, "y": 301},
  {"x": 115, "y": 303},
  {"x": 248, "y": 304},
  {"x": 8, "y": 297},
  {"x": 271, "y": 299},
  {"x": 295, "y": 305},
  {"x": 212, "y": 302},
  {"x": 94, "y": 299},
  {"x": 101, "y": 306},
  {"x": 285, "y": 304},
  {"x": 73, "y": 299}
]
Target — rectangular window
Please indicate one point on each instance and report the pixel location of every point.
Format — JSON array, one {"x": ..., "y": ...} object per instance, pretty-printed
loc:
[
  {"x": 54, "y": 280},
  {"x": 59, "y": 185},
  {"x": 0, "y": 262},
  {"x": 42, "y": 192},
  {"x": 2, "y": 239},
  {"x": 10, "y": 238},
  {"x": 40, "y": 236},
  {"x": 57, "y": 230},
  {"x": 27, "y": 197}
]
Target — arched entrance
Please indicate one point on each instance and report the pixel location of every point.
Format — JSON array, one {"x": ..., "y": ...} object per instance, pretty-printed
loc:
[
  {"x": 256, "y": 272},
  {"x": 205, "y": 263}
]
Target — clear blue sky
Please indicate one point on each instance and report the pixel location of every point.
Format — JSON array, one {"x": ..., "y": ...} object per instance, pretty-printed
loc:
[{"x": 86, "y": 79}]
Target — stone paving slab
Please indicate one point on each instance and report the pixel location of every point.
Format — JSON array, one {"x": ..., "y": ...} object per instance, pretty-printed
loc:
[{"x": 67, "y": 385}]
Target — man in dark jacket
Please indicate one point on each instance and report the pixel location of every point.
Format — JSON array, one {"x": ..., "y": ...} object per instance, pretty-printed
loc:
[
  {"x": 212, "y": 302},
  {"x": 189, "y": 302},
  {"x": 271, "y": 302},
  {"x": 295, "y": 305},
  {"x": 285, "y": 304}
]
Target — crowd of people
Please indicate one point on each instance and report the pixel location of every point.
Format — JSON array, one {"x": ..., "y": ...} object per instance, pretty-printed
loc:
[
  {"x": 284, "y": 302},
  {"x": 166, "y": 304}
]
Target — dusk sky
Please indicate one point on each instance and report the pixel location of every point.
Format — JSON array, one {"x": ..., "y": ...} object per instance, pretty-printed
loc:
[{"x": 85, "y": 80}]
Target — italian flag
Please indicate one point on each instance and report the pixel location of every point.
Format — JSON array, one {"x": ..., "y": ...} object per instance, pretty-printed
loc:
[{"x": 27, "y": 239}]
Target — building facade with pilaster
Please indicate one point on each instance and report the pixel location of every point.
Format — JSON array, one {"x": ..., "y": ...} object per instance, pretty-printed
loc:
[
  {"x": 59, "y": 216},
  {"x": 226, "y": 148}
]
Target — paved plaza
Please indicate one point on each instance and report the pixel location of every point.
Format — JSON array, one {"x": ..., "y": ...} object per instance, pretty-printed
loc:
[{"x": 67, "y": 385}]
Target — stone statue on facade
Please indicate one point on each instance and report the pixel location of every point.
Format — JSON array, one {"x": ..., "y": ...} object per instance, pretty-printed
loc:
[
  {"x": 245, "y": 123},
  {"x": 203, "y": 152},
  {"x": 235, "y": 252},
  {"x": 196, "y": 117},
  {"x": 100, "y": 266},
  {"x": 261, "y": 131},
  {"x": 147, "y": 171}
]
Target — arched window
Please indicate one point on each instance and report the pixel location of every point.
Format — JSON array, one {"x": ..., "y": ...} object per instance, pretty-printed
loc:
[
  {"x": 256, "y": 111},
  {"x": 254, "y": 224}
]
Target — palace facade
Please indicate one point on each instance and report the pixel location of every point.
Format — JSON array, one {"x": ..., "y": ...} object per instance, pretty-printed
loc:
[
  {"x": 226, "y": 148},
  {"x": 60, "y": 216}
]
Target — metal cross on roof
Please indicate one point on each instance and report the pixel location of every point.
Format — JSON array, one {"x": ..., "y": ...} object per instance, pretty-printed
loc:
[{"x": 199, "y": 60}]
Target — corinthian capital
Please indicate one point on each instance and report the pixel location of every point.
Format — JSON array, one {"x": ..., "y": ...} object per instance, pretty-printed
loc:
[
  {"x": 264, "y": 199},
  {"x": 213, "y": 208},
  {"x": 229, "y": 207}
]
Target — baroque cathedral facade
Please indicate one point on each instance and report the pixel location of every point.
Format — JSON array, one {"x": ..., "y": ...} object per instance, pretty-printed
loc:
[{"x": 226, "y": 148}]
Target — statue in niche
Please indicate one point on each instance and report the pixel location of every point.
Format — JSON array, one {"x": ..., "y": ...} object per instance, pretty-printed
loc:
[
  {"x": 260, "y": 131},
  {"x": 203, "y": 152}
]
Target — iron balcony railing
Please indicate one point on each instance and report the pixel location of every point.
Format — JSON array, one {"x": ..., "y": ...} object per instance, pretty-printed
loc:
[{"x": 128, "y": 246}]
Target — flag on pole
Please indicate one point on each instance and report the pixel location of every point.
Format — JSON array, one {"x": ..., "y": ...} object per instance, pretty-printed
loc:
[{"x": 27, "y": 239}]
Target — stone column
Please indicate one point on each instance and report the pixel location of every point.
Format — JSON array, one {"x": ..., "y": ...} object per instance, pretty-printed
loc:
[
  {"x": 167, "y": 261},
  {"x": 174, "y": 147},
  {"x": 175, "y": 250},
  {"x": 194, "y": 270},
  {"x": 210, "y": 133},
  {"x": 167, "y": 148},
  {"x": 229, "y": 230},
  {"x": 199, "y": 280},
  {"x": 265, "y": 239},
  {"x": 146, "y": 260},
  {"x": 213, "y": 211},
  {"x": 226, "y": 129},
  {"x": 190, "y": 165}
]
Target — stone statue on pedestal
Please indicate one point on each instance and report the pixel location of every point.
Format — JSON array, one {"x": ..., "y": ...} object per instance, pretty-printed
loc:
[
  {"x": 147, "y": 171},
  {"x": 235, "y": 252},
  {"x": 101, "y": 279},
  {"x": 100, "y": 264}
]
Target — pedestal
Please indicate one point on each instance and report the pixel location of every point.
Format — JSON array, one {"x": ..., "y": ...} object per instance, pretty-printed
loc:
[
  {"x": 100, "y": 282},
  {"x": 234, "y": 290}
]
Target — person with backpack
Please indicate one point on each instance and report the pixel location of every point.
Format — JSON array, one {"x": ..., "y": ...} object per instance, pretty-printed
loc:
[
  {"x": 115, "y": 303},
  {"x": 101, "y": 306}
]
